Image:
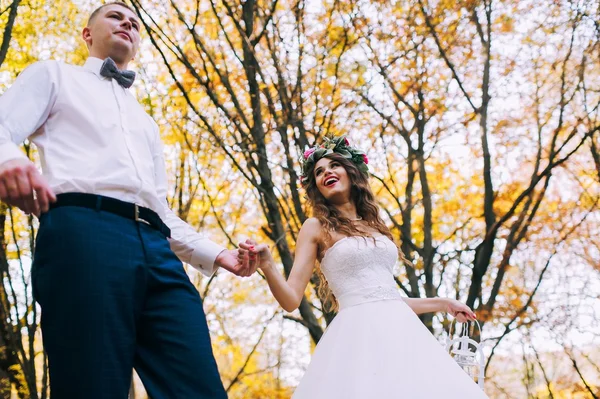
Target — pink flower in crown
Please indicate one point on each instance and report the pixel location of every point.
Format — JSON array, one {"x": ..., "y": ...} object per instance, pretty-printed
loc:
[
  {"x": 365, "y": 159},
  {"x": 309, "y": 152},
  {"x": 346, "y": 141}
]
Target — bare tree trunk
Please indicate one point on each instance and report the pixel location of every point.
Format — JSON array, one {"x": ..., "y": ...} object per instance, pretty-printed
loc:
[
  {"x": 8, "y": 358},
  {"x": 483, "y": 253},
  {"x": 8, "y": 29},
  {"x": 249, "y": 119},
  {"x": 10, "y": 367},
  {"x": 596, "y": 152}
]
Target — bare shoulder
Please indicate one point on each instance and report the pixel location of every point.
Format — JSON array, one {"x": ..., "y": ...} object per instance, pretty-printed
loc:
[
  {"x": 312, "y": 224},
  {"x": 311, "y": 228}
]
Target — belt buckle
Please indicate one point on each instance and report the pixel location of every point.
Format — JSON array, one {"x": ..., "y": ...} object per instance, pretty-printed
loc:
[{"x": 136, "y": 215}]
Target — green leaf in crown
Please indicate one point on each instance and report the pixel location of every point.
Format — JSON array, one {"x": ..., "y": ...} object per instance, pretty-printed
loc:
[{"x": 339, "y": 145}]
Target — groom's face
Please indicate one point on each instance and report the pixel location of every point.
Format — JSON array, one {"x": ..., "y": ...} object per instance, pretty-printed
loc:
[{"x": 113, "y": 32}]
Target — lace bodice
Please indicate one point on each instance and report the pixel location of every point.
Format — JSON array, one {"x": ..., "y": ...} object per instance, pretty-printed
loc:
[{"x": 359, "y": 270}]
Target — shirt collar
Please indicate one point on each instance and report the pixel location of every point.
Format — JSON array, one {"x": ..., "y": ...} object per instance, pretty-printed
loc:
[{"x": 93, "y": 64}]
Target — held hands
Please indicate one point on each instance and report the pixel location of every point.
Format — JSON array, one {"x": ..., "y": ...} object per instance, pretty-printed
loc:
[
  {"x": 240, "y": 262},
  {"x": 21, "y": 185},
  {"x": 459, "y": 310},
  {"x": 246, "y": 259},
  {"x": 231, "y": 261},
  {"x": 257, "y": 253}
]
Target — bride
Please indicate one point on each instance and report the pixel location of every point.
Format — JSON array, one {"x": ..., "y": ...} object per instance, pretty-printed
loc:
[{"x": 376, "y": 347}]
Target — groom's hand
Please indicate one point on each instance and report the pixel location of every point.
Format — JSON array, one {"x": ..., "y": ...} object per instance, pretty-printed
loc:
[
  {"x": 230, "y": 261},
  {"x": 21, "y": 185}
]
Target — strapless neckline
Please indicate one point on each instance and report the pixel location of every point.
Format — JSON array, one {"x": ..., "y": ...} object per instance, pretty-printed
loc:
[{"x": 335, "y": 244}]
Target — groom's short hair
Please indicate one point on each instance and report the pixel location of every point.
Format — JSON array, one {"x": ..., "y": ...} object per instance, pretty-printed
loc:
[{"x": 112, "y": 3}]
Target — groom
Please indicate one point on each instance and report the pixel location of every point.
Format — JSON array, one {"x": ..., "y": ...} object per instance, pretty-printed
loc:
[{"x": 107, "y": 271}]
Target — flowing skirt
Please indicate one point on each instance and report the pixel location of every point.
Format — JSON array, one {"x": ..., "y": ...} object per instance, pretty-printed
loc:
[{"x": 381, "y": 350}]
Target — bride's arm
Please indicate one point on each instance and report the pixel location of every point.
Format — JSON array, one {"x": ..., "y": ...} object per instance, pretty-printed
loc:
[
  {"x": 427, "y": 305},
  {"x": 289, "y": 293}
]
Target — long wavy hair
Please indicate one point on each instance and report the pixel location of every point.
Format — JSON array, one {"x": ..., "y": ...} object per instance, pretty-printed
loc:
[{"x": 333, "y": 221}]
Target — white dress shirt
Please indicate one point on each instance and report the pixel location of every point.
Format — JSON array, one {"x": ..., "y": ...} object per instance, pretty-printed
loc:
[{"x": 94, "y": 137}]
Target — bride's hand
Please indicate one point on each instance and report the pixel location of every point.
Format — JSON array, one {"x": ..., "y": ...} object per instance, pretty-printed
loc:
[
  {"x": 259, "y": 255},
  {"x": 459, "y": 310}
]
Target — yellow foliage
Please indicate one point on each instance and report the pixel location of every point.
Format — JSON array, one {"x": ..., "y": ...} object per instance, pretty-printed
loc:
[{"x": 375, "y": 73}]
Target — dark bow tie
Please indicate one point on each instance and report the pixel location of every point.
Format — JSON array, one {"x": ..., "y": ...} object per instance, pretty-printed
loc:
[{"x": 109, "y": 70}]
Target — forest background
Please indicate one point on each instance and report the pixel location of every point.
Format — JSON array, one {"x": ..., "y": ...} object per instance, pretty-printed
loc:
[{"x": 481, "y": 122}]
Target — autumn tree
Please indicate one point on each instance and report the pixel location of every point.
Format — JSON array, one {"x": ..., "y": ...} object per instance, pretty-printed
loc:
[
  {"x": 33, "y": 31},
  {"x": 481, "y": 121},
  {"x": 9, "y": 359},
  {"x": 471, "y": 157},
  {"x": 239, "y": 98}
]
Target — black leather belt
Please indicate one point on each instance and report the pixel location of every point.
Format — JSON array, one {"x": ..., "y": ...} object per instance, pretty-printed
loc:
[{"x": 112, "y": 205}]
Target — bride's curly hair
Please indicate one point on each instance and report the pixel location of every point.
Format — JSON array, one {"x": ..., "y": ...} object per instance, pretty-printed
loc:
[{"x": 332, "y": 220}]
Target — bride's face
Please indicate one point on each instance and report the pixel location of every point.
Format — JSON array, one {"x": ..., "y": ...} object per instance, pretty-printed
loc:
[{"x": 332, "y": 180}]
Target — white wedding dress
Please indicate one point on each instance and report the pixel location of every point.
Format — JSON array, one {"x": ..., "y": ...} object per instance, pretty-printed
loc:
[{"x": 376, "y": 347}]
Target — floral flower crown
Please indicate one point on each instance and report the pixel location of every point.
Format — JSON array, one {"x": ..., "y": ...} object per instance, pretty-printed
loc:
[{"x": 339, "y": 145}]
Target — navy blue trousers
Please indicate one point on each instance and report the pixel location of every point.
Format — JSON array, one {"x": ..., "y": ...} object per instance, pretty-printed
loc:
[{"x": 115, "y": 297}]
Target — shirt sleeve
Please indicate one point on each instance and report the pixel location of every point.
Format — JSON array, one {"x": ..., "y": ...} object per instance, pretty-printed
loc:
[
  {"x": 25, "y": 107},
  {"x": 190, "y": 246}
]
